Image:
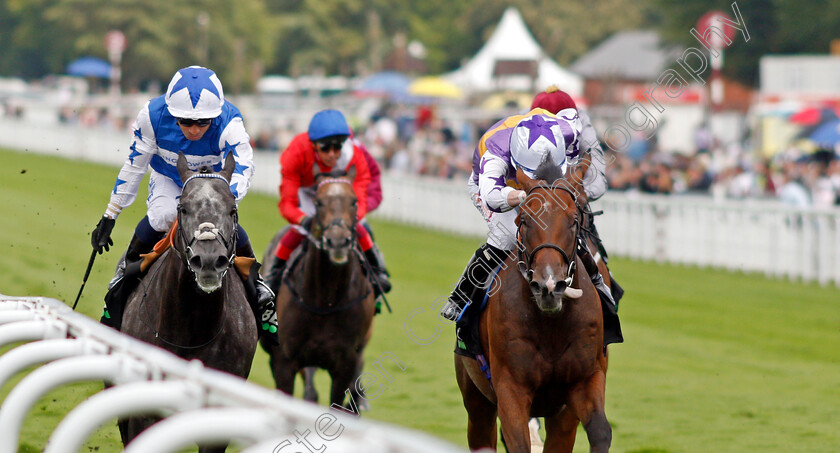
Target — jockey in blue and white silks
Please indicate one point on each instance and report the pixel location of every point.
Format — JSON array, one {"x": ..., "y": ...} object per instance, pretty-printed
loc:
[
  {"x": 157, "y": 139},
  {"x": 192, "y": 118}
]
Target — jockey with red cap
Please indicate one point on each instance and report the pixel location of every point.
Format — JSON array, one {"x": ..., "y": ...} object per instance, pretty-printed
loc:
[
  {"x": 326, "y": 146},
  {"x": 594, "y": 181},
  {"x": 517, "y": 142}
]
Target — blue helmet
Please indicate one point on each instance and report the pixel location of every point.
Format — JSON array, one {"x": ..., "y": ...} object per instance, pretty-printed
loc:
[
  {"x": 195, "y": 93},
  {"x": 327, "y": 123}
]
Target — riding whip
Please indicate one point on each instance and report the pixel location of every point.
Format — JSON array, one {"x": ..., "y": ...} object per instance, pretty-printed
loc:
[{"x": 84, "y": 280}]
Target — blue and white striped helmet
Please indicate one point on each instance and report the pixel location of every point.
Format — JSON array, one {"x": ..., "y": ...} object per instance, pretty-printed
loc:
[{"x": 195, "y": 93}]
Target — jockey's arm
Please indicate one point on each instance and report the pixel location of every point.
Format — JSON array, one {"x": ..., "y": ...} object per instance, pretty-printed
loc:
[
  {"x": 143, "y": 147},
  {"x": 361, "y": 182},
  {"x": 290, "y": 181},
  {"x": 235, "y": 139},
  {"x": 492, "y": 187},
  {"x": 595, "y": 179}
]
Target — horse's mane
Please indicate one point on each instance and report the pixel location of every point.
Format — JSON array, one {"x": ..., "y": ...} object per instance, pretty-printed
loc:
[{"x": 549, "y": 171}]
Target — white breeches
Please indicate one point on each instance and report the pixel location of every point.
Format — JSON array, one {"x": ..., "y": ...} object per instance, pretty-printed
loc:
[
  {"x": 501, "y": 225},
  {"x": 162, "y": 203}
]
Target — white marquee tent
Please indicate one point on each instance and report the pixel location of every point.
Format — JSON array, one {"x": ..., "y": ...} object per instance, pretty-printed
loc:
[{"x": 512, "y": 41}]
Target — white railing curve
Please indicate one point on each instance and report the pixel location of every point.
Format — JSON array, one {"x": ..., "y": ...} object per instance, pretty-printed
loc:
[{"x": 200, "y": 405}]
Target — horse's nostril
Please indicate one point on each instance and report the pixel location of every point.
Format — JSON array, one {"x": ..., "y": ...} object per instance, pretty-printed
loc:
[
  {"x": 195, "y": 262},
  {"x": 221, "y": 263},
  {"x": 535, "y": 287}
]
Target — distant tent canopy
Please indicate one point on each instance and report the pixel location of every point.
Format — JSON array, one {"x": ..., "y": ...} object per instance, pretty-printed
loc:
[
  {"x": 513, "y": 60},
  {"x": 90, "y": 67}
]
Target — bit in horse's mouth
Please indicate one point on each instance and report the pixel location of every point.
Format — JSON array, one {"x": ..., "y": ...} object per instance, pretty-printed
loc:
[
  {"x": 208, "y": 284},
  {"x": 339, "y": 256}
]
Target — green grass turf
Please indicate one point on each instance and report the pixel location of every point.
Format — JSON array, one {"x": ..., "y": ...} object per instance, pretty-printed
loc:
[{"x": 713, "y": 360}]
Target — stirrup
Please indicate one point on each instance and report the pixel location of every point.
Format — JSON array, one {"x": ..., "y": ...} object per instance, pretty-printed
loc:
[
  {"x": 451, "y": 310},
  {"x": 603, "y": 289}
]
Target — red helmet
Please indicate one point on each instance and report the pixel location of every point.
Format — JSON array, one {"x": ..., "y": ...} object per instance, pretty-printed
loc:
[{"x": 553, "y": 100}]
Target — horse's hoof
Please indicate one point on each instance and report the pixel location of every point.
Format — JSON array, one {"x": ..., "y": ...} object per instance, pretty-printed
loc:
[{"x": 364, "y": 405}]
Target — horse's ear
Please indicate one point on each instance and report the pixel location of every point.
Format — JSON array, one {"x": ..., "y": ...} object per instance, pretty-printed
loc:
[
  {"x": 230, "y": 165},
  {"x": 183, "y": 167},
  {"x": 524, "y": 180}
]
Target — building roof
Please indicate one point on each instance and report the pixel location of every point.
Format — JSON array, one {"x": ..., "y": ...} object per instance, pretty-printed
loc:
[{"x": 630, "y": 55}]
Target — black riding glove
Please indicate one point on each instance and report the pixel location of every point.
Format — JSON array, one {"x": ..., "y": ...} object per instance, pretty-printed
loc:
[{"x": 101, "y": 236}]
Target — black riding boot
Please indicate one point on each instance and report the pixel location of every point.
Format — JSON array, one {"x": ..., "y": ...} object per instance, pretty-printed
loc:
[
  {"x": 379, "y": 279},
  {"x": 275, "y": 274},
  {"x": 595, "y": 275},
  {"x": 125, "y": 280},
  {"x": 474, "y": 279},
  {"x": 612, "y": 325},
  {"x": 260, "y": 297}
]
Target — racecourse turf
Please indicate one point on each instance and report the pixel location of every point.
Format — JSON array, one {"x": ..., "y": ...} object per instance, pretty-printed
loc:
[{"x": 713, "y": 360}]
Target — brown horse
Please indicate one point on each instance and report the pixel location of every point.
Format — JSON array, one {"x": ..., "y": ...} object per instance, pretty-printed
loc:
[
  {"x": 325, "y": 304},
  {"x": 188, "y": 302},
  {"x": 542, "y": 333}
]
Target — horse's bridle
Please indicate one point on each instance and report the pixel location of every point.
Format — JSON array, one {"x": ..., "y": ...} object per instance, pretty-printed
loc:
[
  {"x": 526, "y": 260},
  {"x": 335, "y": 222},
  {"x": 206, "y": 227}
]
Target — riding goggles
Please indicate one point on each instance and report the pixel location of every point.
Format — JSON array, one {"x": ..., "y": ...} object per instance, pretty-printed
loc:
[
  {"x": 330, "y": 145},
  {"x": 202, "y": 122}
]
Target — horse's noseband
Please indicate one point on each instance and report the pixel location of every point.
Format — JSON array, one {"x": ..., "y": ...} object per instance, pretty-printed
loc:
[
  {"x": 206, "y": 231},
  {"x": 526, "y": 260},
  {"x": 321, "y": 243}
]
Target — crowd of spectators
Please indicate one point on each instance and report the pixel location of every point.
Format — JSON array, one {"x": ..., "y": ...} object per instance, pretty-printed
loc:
[{"x": 793, "y": 177}]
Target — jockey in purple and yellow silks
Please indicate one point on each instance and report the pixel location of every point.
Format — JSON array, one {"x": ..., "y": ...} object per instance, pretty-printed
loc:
[{"x": 516, "y": 142}]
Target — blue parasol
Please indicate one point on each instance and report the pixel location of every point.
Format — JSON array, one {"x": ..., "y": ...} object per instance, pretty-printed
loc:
[
  {"x": 388, "y": 83},
  {"x": 90, "y": 67},
  {"x": 826, "y": 135}
]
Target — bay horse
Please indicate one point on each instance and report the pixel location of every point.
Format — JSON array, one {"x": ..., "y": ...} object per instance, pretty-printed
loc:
[
  {"x": 188, "y": 302},
  {"x": 542, "y": 333},
  {"x": 325, "y": 304}
]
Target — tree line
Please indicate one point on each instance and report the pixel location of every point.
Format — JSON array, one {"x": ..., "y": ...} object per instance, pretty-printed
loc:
[{"x": 245, "y": 39}]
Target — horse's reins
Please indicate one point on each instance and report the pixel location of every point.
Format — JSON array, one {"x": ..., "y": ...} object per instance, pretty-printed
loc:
[
  {"x": 155, "y": 331},
  {"x": 319, "y": 244},
  {"x": 526, "y": 260}
]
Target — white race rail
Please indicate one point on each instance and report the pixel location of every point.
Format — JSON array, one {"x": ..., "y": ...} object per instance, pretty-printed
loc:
[
  {"x": 201, "y": 405},
  {"x": 746, "y": 235}
]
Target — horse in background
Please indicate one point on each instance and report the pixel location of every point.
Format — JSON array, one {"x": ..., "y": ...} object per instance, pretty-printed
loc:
[
  {"x": 189, "y": 302},
  {"x": 325, "y": 304},
  {"x": 542, "y": 333}
]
